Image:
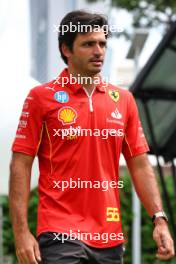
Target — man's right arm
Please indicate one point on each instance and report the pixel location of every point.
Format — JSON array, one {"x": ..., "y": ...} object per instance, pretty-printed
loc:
[{"x": 27, "y": 249}]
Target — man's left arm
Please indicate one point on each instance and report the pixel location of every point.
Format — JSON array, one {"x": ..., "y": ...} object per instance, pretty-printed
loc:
[{"x": 146, "y": 186}]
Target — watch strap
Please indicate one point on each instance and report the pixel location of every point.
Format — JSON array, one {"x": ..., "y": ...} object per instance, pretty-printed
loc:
[{"x": 160, "y": 214}]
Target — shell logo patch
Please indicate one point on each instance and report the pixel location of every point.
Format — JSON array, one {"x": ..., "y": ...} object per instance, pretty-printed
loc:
[
  {"x": 114, "y": 94},
  {"x": 67, "y": 115}
]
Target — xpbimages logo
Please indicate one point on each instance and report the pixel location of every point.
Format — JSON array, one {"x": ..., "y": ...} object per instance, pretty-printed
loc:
[
  {"x": 78, "y": 132},
  {"x": 82, "y": 80},
  {"x": 71, "y": 79},
  {"x": 83, "y": 236},
  {"x": 83, "y": 28},
  {"x": 103, "y": 185}
]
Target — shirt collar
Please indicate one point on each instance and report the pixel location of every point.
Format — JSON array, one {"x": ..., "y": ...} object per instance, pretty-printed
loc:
[{"x": 63, "y": 80}]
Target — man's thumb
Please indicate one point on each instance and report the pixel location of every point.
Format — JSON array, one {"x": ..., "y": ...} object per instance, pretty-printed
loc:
[{"x": 37, "y": 252}]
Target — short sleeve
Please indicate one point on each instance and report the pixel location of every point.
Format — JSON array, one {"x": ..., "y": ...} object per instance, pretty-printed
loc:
[
  {"x": 134, "y": 142},
  {"x": 29, "y": 131}
]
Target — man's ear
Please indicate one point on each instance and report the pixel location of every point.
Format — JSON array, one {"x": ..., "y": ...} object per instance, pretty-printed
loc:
[{"x": 66, "y": 51}]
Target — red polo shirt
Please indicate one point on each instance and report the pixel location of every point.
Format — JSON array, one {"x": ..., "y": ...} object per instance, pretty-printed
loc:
[{"x": 78, "y": 140}]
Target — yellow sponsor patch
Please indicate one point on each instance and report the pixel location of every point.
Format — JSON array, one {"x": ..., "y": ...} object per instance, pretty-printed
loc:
[
  {"x": 112, "y": 214},
  {"x": 114, "y": 94},
  {"x": 67, "y": 115},
  {"x": 72, "y": 137}
]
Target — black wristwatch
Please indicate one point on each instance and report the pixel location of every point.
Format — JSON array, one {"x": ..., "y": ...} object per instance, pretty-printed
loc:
[{"x": 160, "y": 214}]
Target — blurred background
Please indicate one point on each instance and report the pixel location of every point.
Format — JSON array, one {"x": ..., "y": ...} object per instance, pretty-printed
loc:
[{"x": 141, "y": 56}]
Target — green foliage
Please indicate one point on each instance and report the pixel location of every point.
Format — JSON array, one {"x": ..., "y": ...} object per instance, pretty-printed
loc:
[
  {"x": 148, "y": 13},
  {"x": 148, "y": 245},
  {"x": 8, "y": 246},
  {"x": 32, "y": 215},
  {"x": 127, "y": 216},
  {"x": 8, "y": 239}
]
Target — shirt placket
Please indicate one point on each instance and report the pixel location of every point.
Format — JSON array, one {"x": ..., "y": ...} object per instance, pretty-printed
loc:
[{"x": 89, "y": 98}]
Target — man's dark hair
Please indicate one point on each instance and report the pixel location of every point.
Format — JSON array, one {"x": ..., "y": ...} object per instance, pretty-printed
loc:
[{"x": 81, "y": 20}]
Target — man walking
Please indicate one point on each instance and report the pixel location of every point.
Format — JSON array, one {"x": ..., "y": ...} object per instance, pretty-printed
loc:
[{"x": 78, "y": 130}]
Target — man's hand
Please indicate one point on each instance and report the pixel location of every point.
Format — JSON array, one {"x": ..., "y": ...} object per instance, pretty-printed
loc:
[
  {"x": 27, "y": 248},
  {"x": 163, "y": 239}
]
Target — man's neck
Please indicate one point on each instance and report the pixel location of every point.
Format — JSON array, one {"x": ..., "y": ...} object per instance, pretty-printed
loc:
[{"x": 88, "y": 82}]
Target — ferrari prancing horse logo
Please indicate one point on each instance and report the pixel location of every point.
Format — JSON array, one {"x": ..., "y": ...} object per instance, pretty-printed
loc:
[{"x": 114, "y": 94}]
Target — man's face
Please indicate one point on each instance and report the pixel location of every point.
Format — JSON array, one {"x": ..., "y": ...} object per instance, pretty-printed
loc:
[{"x": 88, "y": 53}]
